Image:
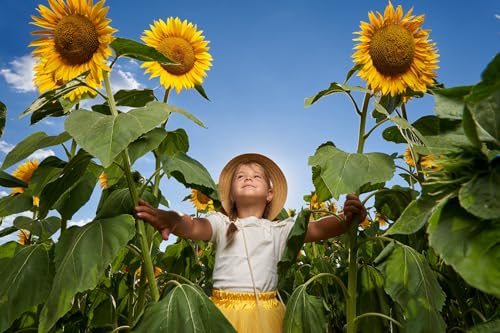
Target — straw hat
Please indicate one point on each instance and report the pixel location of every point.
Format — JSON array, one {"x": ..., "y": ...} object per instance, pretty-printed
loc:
[{"x": 276, "y": 176}]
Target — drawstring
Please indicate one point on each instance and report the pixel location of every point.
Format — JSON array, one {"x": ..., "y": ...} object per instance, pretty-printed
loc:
[{"x": 250, "y": 268}]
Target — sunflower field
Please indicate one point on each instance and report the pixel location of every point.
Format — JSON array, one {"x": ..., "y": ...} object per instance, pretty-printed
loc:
[{"x": 426, "y": 259}]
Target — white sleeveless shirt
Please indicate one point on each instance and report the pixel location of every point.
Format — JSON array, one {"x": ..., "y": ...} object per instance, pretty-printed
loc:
[{"x": 265, "y": 242}]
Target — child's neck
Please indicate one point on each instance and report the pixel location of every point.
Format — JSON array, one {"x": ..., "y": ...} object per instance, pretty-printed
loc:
[{"x": 250, "y": 211}]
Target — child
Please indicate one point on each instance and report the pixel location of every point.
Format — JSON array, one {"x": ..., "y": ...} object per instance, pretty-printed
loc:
[{"x": 249, "y": 244}]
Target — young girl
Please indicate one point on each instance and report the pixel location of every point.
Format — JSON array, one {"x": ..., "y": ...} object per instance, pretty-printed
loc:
[{"x": 249, "y": 244}]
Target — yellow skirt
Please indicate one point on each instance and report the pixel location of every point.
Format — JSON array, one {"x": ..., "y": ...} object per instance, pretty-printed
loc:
[{"x": 240, "y": 308}]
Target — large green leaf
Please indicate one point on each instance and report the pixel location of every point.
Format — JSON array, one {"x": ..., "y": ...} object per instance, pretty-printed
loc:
[
  {"x": 146, "y": 143},
  {"x": 336, "y": 172},
  {"x": 24, "y": 282},
  {"x": 105, "y": 136},
  {"x": 30, "y": 144},
  {"x": 304, "y": 313},
  {"x": 486, "y": 115},
  {"x": 450, "y": 102},
  {"x": 332, "y": 89},
  {"x": 469, "y": 244},
  {"x": 7, "y": 180},
  {"x": 480, "y": 196},
  {"x": 293, "y": 243},
  {"x": 72, "y": 175},
  {"x": 189, "y": 172},
  {"x": 185, "y": 309},
  {"x": 176, "y": 141},
  {"x": 372, "y": 298},
  {"x": 414, "y": 217},
  {"x": 134, "y": 97},
  {"x": 410, "y": 281},
  {"x": 40, "y": 228},
  {"x": 181, "y": 258},
  {"x": 76, "y": 196},
  {"x": 81, "y": 256},
  {"x": 392, "y": 202},
  {"x": 119, "y": 201},
  {"x": 488, "y": 327},
  {"x": 139, "y": 51},
  {"x": 13, "y": 204}
]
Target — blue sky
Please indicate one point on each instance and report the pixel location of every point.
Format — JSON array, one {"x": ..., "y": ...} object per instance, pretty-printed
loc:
[{"x": 268, "y": 57}]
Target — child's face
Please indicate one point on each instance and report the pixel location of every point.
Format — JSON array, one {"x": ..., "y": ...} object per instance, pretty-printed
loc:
[{"x": 250, "y": 184}]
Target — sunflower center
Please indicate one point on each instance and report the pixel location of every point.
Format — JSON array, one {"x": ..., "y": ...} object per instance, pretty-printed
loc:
[
  {"x": 392, "y": 50},
  {"x": 76, "y": 39},
  {"x": 180, "y": 51}
]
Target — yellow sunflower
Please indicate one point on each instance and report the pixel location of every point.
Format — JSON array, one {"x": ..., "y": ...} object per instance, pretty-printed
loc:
[
  {"x": 395, "y": 52},
  {"x": 103, "y": 181},
  {"x": 201, "y": 202},
  {"x": 45, "y": 81},
  {"x": 408, "y": 156},
  {"x": 365, "y": 223},
  {"x": 23, "y": 238},
  {"x": 380, "y": 219},
  {"x": 315, "y": 205},
  {"x": 428, "y": 162},
  {"x": 181, "y": 42},
  {"x": 76, "y": 39},
  {"x": 24, "y": 172}
]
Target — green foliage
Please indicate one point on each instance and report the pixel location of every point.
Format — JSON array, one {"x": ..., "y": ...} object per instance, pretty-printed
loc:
[
  {"x": 138, "y": 51},
  {"x": 336, "y": 172},
  {"x": 304, "y": 313},
  {"x": 43, "y": 229},
  {"x": 185, "y": 308}
]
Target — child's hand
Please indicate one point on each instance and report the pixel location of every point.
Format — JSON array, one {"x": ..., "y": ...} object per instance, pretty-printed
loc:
[
  {"x": 163, "y": 221},
  {"x": 353, "y": 206}
]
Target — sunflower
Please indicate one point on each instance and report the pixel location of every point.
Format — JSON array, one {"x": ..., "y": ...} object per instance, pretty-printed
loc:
[
  {"x": 408, "y": 157},
  {"x": 315, "y": 204},
  {"x": 396, "y": 54},
  {"x": 380, "y": 219},
  {"x": 201, "y": 202},
  {"x": 103, "y": 181},
  {"x": 181, "y": 42},
  {"x": 76, "y": 39},
  {"x": 365, "y": 223},
  {"x": 46, "y": 82},
  {"x": 24, "y": 236},
  {"x": 24, "y": 172}
]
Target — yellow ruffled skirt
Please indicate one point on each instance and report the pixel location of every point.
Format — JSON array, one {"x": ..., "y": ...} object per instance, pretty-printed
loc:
[{"x": 241, "y": 309}]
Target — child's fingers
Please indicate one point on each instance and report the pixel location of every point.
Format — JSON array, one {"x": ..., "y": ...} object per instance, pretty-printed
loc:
[{"x": 165, "y": 233}]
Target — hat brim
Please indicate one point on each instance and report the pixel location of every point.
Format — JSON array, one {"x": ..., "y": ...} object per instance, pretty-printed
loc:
[{"x": 276, "y": 176}]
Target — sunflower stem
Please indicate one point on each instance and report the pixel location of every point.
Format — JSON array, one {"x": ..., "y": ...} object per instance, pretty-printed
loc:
[
  {"x": 352, "y": 278},
  {"x": 140, "y": 228}
]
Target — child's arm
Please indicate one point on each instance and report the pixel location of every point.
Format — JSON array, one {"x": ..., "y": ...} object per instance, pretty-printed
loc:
[
  {"x": 335, "y": 225},
  {"x": 167, "y": 222}
]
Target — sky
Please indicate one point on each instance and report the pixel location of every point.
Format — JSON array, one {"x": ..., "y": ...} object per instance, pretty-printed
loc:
[{"x": 268, "y": 56}]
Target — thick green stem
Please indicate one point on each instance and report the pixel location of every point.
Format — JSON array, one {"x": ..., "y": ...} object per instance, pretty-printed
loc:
[
  {"x": 352, "y": 279},
  {"x": 140, "y": 228}
]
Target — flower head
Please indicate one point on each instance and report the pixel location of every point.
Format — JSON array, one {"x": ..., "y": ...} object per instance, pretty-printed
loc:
[
  {"x": 408, "y": 156},
  {"x": 23, "y": 238},
  {"x": 201, "y": 202},
  {"x": 315, "y": 204},
  {"x": 24, "y": 172},
  {"x": 75, "y": 39},
  {"x": 181, "y": 42},
  {"x": 103, "y": 181},
  {"x": 395, "y": 52}
]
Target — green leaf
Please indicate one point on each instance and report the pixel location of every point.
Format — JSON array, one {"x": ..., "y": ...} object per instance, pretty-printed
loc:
[
  {"x": 105, "y": 136},
  {"x": 410, "y": 281},
  {"x": 304, "y": 313},
  {"x": 480, "y": 195},
  {"x": 3, "y": 117},
  {"x": 333, "y": 88},
  {"x": 81, "y": 256},
  {"x": 56, "y": 108},
  {"x": 470, "y": 245},
  {"x": 190, "y": 173},
  {"x": 293, "y": 243},
  {"x": 414, "y": 217},
  {"x": 64, "y": 185},
  {"x": 7, "y": 231},
  {"x": 30, "y": 144},
  {"x": 450, "y": 102},
  {"x": 372, "y": 298},
  {"x": 13, "y": 204},
  {"x": 486, "y": 116},
  {"x": 336, "y": 172},
  {"x": 76, "y": 196},
  {"x": 176, "y": 141},
  {"x": 8, "y": 251},
  {"x": 352, "y": 71},
  {"x": 185, "y": 309},
  {"x": 488, "y": 327},
  {"x": 119, "y": 201},
  {"x": 201, "y": 91},
  {"x": 186, "y": 114},
  {"x": 24, "y": 282},
  {"x": 392, "y": 202},
  {"x": 40, "y": 228},
  {"x": 139, "y": 51},
  {"x": 44, "y": 103},
  {"x": 181, "y": 258},
  {"x": 389, "y": 103},
  {"x": 134, "y": 97},
  {"x": 146, "y": 143},
  {"x": 7, "y": 180},
  {"x": 470, "y": 129}
]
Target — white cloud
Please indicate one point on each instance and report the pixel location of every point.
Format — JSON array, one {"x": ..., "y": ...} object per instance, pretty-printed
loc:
[
  {"x": 79, "y": 222},
  {"x": 5, "y": 147},
  {"x": 121, "y": 79},
  {"x": 3, "y": 194},
  {"x": 20, "y": 75},
  {"x": 41, "y": 154}
]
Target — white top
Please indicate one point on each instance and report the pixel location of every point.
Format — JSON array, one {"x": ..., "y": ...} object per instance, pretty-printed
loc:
[{"x": 265, "y": 241}]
